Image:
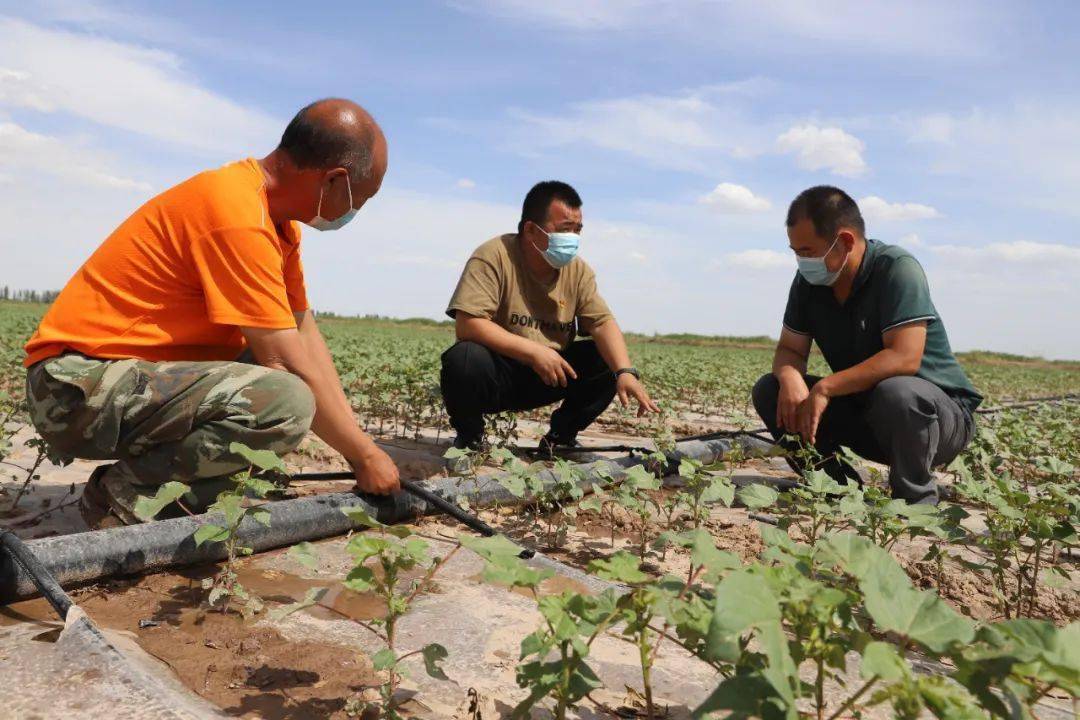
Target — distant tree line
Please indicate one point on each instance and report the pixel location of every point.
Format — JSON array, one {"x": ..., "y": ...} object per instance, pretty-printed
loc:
[{"x": 30, "y": 296}]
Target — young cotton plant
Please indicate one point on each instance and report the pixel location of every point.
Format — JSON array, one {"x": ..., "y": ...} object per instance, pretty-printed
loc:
[
  {"x": 230, "y": 511},
  {"x": 632, "y": 495},
  {"x": 702, "y": 488},
  {"x": 553, "y": 661},
  {"x": 381, "y": 561}
]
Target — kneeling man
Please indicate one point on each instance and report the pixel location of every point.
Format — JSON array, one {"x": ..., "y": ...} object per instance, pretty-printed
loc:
[
  {"x": 521, "y": 300},
  {"x": 897, "y": 394}
]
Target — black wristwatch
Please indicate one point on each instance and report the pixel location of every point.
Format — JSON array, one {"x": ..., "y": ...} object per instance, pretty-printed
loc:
[{"x": 628, "y": 371}]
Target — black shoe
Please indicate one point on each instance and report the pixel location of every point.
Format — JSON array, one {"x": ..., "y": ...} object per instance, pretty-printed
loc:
[
  {"x": 465, "y": 443},
  {"x": 549, "y": 446}
]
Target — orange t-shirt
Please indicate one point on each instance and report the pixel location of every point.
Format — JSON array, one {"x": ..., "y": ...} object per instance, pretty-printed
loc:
[{"x": 180, "y": 276}]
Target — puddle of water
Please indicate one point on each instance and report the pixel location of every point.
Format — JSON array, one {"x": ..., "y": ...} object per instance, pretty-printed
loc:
[
  {"x": 283, "y": 587},
  {"x": 554, "y": 585}
]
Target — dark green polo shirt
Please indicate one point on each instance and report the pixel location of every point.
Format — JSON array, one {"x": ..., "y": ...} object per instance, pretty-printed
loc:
[{"x": 890, "y": 290}]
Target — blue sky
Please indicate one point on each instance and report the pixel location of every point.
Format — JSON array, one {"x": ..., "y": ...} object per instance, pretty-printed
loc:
[{"x": 686, "y": 126}]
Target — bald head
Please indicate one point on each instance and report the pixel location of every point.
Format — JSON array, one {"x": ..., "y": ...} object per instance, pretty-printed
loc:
[{"x": 335, "y": 133}]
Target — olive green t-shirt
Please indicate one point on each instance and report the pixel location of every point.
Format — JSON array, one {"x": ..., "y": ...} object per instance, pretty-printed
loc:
[
  {"x": 890, "y": 290},
  {"x": 497, "y": 285}
]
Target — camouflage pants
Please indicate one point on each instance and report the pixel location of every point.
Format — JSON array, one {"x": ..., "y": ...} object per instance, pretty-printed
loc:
[{"x": 167, "y": 420}]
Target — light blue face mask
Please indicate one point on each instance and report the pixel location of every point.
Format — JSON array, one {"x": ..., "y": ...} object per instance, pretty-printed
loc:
[
  {"x": 561, "y": 249},
  {"x": 320, "y": 223},
  {"x": 816, "y": 272}
]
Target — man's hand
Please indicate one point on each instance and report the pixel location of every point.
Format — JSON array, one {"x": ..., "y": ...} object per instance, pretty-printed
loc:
[
  {"x": 627, "y": 386},
  {"x": 551, "y": 367},
  {"x": 793, "y": 391},
  {"x": 376, "y": 473},
  {"x": 810, "y": 411}
]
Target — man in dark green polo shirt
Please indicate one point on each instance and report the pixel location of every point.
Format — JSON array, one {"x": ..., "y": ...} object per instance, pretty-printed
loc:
[{"x": 897, "y": 394}]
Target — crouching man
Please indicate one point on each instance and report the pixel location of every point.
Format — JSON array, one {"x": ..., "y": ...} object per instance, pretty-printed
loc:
[
  {"x": 521, "y": 300},
  {"x": 897, "y": 394},
  {"x": 137, "y": 360}
]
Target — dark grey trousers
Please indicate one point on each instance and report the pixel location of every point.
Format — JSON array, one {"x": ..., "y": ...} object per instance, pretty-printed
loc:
[{"x": 905, "y": 422}]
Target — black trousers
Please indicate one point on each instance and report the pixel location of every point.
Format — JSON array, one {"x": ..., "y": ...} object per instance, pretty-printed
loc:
[
  {"x": 905, "y": 422},
  {"x": 476, "y": 380}
]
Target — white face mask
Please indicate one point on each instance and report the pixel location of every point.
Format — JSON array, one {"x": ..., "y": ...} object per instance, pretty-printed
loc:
[
  {"x": 320, "y": 223},
  {"x": 816, "y": 272}
]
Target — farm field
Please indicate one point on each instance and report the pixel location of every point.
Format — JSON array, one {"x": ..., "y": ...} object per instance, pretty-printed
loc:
[{"x": 715, "y": 593}]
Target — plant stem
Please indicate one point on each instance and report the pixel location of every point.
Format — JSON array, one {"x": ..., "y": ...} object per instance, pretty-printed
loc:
[{"x": 854, "y": 698}]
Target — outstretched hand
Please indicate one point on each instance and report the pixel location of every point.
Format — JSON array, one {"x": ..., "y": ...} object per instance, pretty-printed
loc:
[{"x": 628, "y": 386}]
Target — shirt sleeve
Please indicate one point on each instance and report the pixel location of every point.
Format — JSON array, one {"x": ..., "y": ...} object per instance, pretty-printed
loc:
[
  {"x": 795, "y": 318},
  {"x": 905, "y": 296},
  {"x": 243, "y": 280},
  {"x": 295, "y": 287},
  {"x": 478, "y": 291},
  {"x": 591, "y": 310}
]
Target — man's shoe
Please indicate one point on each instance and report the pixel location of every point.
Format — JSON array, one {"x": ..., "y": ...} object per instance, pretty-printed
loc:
[
  {"x": 108, "y": 500},
  {"x": 549, "y": 446}
]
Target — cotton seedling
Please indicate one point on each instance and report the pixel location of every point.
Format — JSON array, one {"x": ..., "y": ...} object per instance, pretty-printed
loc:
[
  {"x": 394, "y": 551},
  {"x": 701, "y": 489},
  {"x": 231, "y": 511}
]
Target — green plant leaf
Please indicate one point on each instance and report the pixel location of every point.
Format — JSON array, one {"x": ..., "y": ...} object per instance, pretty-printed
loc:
[
  {"x": 757, "y": 496},
  {"x": 384, "y": 659},
  {"x": 305, "y": 554},
  {"x": 917, "y": 614},
  {"x": 360, "y": 516},
  {"x": 360, "y": 579},
  {"x": 434, "y": 654},
  {"x": 147, "y": 508},
  {"x": 262, "y": 459},
  {"x": 311, "y": 598},
  {"x": 621, "y": 567},
  {"x": 210, "y": 533},
  {"x": 880, "y": 659},
  {"x": 260, "y": 516}
]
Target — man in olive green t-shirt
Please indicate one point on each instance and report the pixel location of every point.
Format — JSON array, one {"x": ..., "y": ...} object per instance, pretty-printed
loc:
[
  {"x": 521, "y": 300},
  {"x": 897, "y": 395}
]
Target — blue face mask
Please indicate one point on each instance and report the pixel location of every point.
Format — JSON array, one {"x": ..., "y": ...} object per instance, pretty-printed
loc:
[
  {"x": 320, "y": 223},
  {"x": 561, "y": 249},
  {"x": 816, "y": 272}
]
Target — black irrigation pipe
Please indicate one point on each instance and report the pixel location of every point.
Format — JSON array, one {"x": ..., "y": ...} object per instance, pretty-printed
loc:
[
  {"x": 43, "y": 580},
  {"x": 414, "y": 488},
  {"x": 94, "y": 556},
  {"x": 757, "y": 434}
]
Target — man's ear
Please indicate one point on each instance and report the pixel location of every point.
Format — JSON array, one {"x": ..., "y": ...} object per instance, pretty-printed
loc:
[{"x": 847, "y": 239}]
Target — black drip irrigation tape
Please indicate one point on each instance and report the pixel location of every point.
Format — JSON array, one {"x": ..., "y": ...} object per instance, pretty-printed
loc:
[
  {"x": 89, "y": 557},
  {"x": 43, "y": 580}
]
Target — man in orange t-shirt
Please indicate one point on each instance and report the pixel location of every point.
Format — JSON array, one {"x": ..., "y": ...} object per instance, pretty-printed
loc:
[{"x": 137, "y": 359}]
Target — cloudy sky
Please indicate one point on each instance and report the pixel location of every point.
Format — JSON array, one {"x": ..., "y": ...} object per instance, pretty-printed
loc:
[{"x": 687, "y": 127}]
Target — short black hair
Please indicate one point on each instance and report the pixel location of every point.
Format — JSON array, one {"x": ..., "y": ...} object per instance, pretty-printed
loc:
[
  {"x": 829, "y": 209},
  {"x": 539, "y": 199},
  {"x": 316, "y": 145}
]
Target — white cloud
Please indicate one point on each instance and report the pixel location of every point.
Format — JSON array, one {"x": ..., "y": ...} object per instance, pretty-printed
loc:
[
  {"x": 732, "y": 198},
  {"x": 685, "y": 131},
  {"x": 817, "y": 148},
  {"x": 1054, "y": 257},
  {"x": 465, "y": 184},
  {"x": 139, "y": 90},
  {"x": 876, "y": 209},
  {"x": 911, "y": 240},
  {"x": 756, "y": 259},
  {"x": 23, "y": 151}
]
